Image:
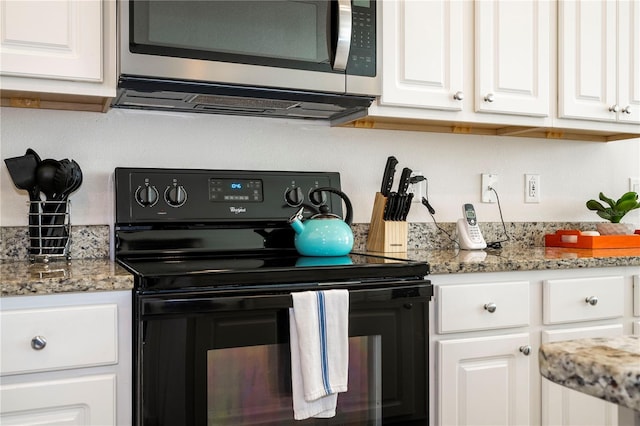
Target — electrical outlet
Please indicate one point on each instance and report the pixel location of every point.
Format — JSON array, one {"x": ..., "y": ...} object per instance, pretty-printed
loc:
[
  {"x": 634, "y": 185},
  {"x": 531, "y": 188},
  {"x": 488, "y": 181},
  {"x": 418, "y": 189}
]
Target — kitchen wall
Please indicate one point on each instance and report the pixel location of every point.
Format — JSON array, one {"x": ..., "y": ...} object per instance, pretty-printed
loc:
[{"x": 571, "y": 172}]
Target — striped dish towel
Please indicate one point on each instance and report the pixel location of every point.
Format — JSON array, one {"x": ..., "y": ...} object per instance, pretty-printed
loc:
[{"x": 319, "y": 335}]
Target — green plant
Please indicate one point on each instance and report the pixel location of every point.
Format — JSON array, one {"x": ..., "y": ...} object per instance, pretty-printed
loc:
[{"x": 616, "y": 209}]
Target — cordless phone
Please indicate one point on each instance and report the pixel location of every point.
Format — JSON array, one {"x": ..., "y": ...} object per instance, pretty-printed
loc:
[{"x": 469, "y": 235}]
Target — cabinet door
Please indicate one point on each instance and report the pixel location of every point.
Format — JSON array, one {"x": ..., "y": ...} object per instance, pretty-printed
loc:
[
  {"x": 81, "y": 401},
  {"x": 422, "y": 54},
  {"x": 512, "y": 57},
  {"x": 483, "y": 381},
  {"x": 587, "y": 59},
  {"x": 629, "y": 61},
  {"x": 562, "y": 406},
  {"x": 59, "y": 39}
]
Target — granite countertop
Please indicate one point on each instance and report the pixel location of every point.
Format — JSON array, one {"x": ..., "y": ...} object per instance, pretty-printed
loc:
[
  {"x": 20, "y": 278},
  {"x": 78, "y": 275},
  {"x": 607, "y": 368},
  {"x": 522, "y": 259}
]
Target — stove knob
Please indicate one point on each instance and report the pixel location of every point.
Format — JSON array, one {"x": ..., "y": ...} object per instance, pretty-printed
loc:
[
  {"x": 293, "y": 197},
  {"x": 147, "y": 195},
  {"x": 318, "y": 198},
  {"x": 175, "y": 195}
]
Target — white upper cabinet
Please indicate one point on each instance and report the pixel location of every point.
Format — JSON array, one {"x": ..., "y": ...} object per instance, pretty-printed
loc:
[
  {"x": 52, "y": 39},
  {"x": 64, "y": 47},
  {"x": 599, "y": 60},
  {"x": 423, "y": 54},
  {"x": 512, "y": 57},
  {"x": 429, "y": 56}
]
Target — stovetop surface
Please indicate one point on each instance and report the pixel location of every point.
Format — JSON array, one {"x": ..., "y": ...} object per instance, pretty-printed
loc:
[{"x": 165, "y": 271}]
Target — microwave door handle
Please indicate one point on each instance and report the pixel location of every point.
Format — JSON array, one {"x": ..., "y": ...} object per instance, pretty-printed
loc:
[{"x": 343, "y": 45}]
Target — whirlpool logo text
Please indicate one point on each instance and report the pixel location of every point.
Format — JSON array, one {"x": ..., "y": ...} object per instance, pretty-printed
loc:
[{"x": 238, "y": 210}]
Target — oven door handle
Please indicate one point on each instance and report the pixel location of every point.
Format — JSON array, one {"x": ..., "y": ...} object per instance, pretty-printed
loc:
[{"x": 418, "y": 290}]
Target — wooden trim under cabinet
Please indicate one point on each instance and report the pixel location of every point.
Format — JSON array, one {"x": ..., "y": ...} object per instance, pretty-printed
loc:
[
  {"x": 439, "y": 126},
  {"x": 59, "y": 101}
]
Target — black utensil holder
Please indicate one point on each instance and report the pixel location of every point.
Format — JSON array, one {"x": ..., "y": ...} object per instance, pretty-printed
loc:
[{"x": 49, "y": 230}]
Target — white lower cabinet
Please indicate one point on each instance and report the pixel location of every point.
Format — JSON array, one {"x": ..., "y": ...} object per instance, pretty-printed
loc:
[
  {"x": 484, "y": 381},
  {"x": 66, "y": 359},
  {"x": 567, "y": 407},
  {"x": 88, "y": 400},
  {"x": 486, "y": 330}
]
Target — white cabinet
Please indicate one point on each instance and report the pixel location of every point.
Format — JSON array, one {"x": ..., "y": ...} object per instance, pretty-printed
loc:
[
  {"x": 567, "y": 407},
  {"x": 512, "y": 57},
  {"x": 533, "y": 68},
  {"x": 486, "y": 329},
  {"x": 423, "y": 55},
  {"x": 88, "y": 400},
  {"x": 482, "y": 377},
  {"x": 484, "y": 380},
  {"x": 66, "y": 359},
  {"x": 583, "y": 299},
  {"x": 434, "y": 60},
  {"x": 599, "y": 60},
  {"x": 57, "y": 53}
]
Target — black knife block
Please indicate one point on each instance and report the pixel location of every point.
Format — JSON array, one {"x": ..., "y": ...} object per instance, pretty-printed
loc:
[{"x": 385, "y": 235}]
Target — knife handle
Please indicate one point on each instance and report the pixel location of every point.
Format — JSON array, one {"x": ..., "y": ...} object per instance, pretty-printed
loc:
[
  {"x": 405, "y": 179},
  {"x": 387, "y": 178}
]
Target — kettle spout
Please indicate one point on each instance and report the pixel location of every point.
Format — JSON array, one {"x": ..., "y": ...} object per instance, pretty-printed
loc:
[{"x": 296, "y": 221}]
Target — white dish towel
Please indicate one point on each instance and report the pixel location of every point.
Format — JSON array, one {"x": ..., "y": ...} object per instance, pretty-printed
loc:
[{"x": 319, "y": 335}]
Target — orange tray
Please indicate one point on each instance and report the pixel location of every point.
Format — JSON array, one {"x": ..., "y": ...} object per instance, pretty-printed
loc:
[{"x": 574, "y": 239}]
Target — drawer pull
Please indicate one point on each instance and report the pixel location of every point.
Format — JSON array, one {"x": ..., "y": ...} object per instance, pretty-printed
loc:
[
  {"x": 526, "y": 350},
  {"x": 592, "y": 300},
  {"x": 491, "y": 307},
  {"x": 38, "y": 343}
]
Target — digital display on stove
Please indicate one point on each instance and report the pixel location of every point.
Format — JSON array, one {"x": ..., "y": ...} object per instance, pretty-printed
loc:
[{"x": 233, "y": 190}]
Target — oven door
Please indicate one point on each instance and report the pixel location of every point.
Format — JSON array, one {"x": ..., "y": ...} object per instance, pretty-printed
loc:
[{"x": 225, "y": 359}]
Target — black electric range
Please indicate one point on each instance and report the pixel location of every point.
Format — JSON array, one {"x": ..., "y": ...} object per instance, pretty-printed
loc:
[
  {"x": 196, "y": 230},
  {"x": 215, "y": 267}
]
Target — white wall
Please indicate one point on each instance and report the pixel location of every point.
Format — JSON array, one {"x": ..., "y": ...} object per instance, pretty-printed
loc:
[{"x": 571, "y": 172}]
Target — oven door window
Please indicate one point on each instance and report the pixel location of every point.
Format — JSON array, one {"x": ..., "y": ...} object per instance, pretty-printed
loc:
[
  {"x": 252, "y": 385},
  {"x": 289, "y": 34},
  {"x": 232, "y": 367}
]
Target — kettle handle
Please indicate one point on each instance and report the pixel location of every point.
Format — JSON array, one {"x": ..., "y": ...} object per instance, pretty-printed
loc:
[{"x": 349, "y": 214}]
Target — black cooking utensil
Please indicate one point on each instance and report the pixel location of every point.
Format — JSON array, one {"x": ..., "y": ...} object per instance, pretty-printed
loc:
[
  {"x": 23, "y": 173},
  {"x": 387, "y": 177}
]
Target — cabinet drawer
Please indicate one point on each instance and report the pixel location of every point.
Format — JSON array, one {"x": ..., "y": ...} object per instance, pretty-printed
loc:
[
  {"x": 482, "y": 306},
  {"x": 582, "y": 299},
  {"x": 75, "y": 337}
]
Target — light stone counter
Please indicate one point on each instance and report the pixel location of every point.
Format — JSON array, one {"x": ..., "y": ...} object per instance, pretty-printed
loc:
[
  {"x": 607, "y": 368},
  {"x": 20, "y": 278},
  {"x": 521, "y": 259}
]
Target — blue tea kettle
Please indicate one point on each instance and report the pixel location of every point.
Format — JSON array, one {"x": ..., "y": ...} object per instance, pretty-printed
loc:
[{"x": 323, "y": 234}]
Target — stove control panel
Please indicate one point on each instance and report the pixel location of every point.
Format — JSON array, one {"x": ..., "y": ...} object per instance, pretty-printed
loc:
[{"x": 146, "y": 195}]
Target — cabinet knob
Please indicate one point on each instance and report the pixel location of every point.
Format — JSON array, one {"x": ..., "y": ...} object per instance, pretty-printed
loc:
[
  {"x": 614, "y": 108},
  {"x": 458, "y": 96},
  {"x": 38, "y": 343},
  {"x": 627, "y": 109},
  {"x": 526, "y": 350},
  {"x": 491, "y": 307},
  {"x": 592, "y": 300},
  {"x": 490, "y": 97}
]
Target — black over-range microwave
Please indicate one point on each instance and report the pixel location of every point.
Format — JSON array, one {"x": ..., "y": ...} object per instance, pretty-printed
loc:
[{"x": 282, "y": 58}]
